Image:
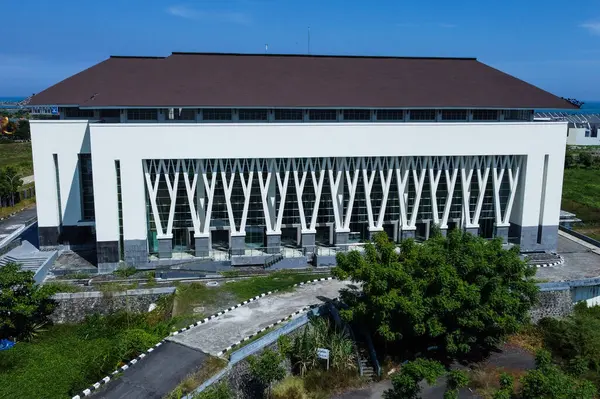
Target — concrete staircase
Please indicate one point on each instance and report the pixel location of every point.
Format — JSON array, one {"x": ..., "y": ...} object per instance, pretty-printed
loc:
[
  {"x": 30, "y": 258},
  {"x": 365, "y": 363}
]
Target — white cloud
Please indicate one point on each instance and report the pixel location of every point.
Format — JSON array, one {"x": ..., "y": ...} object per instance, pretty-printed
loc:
[
  {"x": 232, "y": 17},
  {"x": 591, "y": 27}
]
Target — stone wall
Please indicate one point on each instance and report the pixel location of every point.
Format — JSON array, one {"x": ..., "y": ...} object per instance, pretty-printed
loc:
[
  {"x": 553, "y": 303},
  {"x": 72, "y": 308}
]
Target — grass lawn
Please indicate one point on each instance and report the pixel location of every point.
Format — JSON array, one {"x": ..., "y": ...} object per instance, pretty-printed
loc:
[
  {"x": 17, "y": 155},
  {"x": 26, "y": 203},
  {"x": 66, "y": 359},
  {"x": 581, "y": 195},
  {"x": 193, "y": 296}
]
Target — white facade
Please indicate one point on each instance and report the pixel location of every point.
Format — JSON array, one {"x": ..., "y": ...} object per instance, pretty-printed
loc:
[
  {"x": 279, "y": 158},
  {"x": 587, "y": 135}
]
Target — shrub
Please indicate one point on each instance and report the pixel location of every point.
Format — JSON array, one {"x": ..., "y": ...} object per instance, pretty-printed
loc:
[
  {"x": 266, "y": 368},
  {"x": 290, "y": 388},
  {"x": 406, "y": 383},
  {"x": 24, "y": 305},
  {"x": 219, "y": 391},
  {"x": 125, "y": 272},
  {"x": 585, "y": 159},
  {"x": 130, "y": 343}
]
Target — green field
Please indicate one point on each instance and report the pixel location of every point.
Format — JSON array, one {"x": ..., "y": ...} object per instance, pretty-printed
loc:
[
  {"x": 18, "y": 155},
  {"x": 581, "y": 195}
]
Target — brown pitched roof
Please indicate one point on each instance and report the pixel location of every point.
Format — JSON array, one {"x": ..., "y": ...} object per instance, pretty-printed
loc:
[{"x": 259, "y": 80}]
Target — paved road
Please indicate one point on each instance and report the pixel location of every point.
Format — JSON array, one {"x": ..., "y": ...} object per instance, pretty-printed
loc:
[
  {"x": 156, "y": 375},
  {"x": 582, "y": 260},
  {"x": 8, "y": 226},
  {"x": 215, "y": 336}
]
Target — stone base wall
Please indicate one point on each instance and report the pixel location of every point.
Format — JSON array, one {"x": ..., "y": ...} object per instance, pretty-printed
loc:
[
  {"x": 557, "y": 304},
  {"x": 73, "y": 308}
]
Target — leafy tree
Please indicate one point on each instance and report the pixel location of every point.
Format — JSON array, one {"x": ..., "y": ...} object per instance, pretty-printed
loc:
[
  {"x": 405, "y": 384},
  {"x": 457, "y": 294},
  {"x": 23, "y": 131},
  {"x": 24, "y": 305},
  {"x": 267, "y": 368},
  {"x": 586, "y": 159},
  {"x": 10, "y": 182},
  {"x": 455, "y": 380}
]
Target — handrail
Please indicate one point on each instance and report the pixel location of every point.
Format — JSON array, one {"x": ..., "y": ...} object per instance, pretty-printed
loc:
[
  {"x": 372, "y": 352},
  {"x": 340, "y": 323}
]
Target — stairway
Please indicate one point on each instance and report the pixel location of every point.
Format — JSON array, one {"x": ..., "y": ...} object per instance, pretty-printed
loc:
[
  {"x": 271, "y": 260},
  {"x": 365, "y": 363},
  {"x": 30, "y": 258}
]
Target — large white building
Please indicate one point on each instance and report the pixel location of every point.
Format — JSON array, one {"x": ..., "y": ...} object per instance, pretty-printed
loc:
[{"x": 251, "y": 159}]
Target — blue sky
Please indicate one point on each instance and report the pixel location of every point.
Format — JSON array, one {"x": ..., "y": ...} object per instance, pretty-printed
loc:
[{"x": 553, "y": 44}]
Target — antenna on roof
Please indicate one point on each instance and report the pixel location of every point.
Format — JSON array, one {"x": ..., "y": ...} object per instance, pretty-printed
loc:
[{"x": 309, "y": 40}]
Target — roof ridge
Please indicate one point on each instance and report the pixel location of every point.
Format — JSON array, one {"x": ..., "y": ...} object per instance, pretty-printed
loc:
[
  {"x": 325, "y": 56},
  {"x": 139, "y": 56}
]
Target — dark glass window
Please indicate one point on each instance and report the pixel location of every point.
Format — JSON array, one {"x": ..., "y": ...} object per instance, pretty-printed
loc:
[
  {"x": 390, "y": 115},
  {"x": 517, "y": 115},
  {"x": 422, "y": 114},
  {"x": 594, "y": 132},
  {"x": 485, "y": 115},
  {"x": 181, "y": 114},
  {"x": 253, "y": 114},
  {"x": 120, "y": 206},
  {"x": 322, "y": 115},
  {"x": 87, "y": 186},
  {"x": 217, "y": 114},
  {"x": 289, "y": 115},
  {"x": 79, "y": 113},
  {"x": 454, "y": 114},
  {"x": 110, "y": 113},
  {"x": 142, "y": 114},
  {"x": 357, "y": 115}
]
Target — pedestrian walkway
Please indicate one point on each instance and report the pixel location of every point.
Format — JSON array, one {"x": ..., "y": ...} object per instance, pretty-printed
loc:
[{"x": 233, "y": 326}]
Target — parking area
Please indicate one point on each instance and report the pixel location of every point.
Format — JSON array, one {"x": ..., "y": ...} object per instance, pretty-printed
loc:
[{"x": 582, "y": 260}]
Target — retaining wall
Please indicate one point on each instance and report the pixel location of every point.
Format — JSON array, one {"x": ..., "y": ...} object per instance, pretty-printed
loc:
[{"x": 72, "y": 308}]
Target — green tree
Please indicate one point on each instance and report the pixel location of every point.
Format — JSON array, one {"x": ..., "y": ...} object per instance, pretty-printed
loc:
[
  {"x": 456, "y": 294},
  {"x": 570, "y": 161},
  {"x": 405, "y": 383},
  {"x": 10, "y": 182},
  {"x": 455, "y": 380},
  {"x": 267, "y": 368},
  {"x": 24, "y": 305}
]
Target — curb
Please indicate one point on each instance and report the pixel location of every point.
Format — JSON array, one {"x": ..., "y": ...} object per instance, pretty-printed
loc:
[
  {"x": 297, "y": 312},
  {"x": 560, "y": 261},
  {"x": 106, "y": 380}
]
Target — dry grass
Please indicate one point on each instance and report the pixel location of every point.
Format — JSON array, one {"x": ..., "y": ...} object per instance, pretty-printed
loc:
[
  {"x": 24, "y": 204},
  {"x": 529, "y": 338},
  {"x": 209, "y": 368},
  {"x": 486, "y": 379}
]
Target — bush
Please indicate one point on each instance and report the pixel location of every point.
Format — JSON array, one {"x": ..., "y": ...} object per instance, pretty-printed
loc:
[
  {"x": 585, "y": 159},
  {"x": 131, "y": 343},
  {"x": 406, "y": 383},
  {"x": 24, "y": 305},
  {"x": 125, "y": 272},
  {"x": 290, "y": 388},
  {"x": 570, "y": 161},
  {"x": 266, "y": 368},
  {"x": 219, "y": 391}
]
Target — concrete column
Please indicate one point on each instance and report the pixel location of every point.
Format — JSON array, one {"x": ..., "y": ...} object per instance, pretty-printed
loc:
[
  {"x": 135, "y": 226},
  {"x": 165, "y": 247},
  {"x": 473, "y": 230},
  {"x": 444, "y": 231},
  {"x": 502, "y": 231},
  {"x": 373, "y": 231},
  {"x": 407, "y": 232},
  {"x": 308, "y": 241},
  {"x": 273, "y": 243},
  {"x": 427, "y": 229},
  {"x": 202, "y": 245},
  {"x": 341, "y": 238},
  {"x": 237, "y": 243}
]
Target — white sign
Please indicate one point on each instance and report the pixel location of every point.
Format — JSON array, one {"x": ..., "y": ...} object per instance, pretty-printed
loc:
[{"x": 323, "y": 353}]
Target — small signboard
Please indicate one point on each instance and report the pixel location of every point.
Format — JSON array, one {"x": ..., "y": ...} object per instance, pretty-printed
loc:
[
  {"x": 323, "y": 353},
  {"x": 54, "y": 110}
]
